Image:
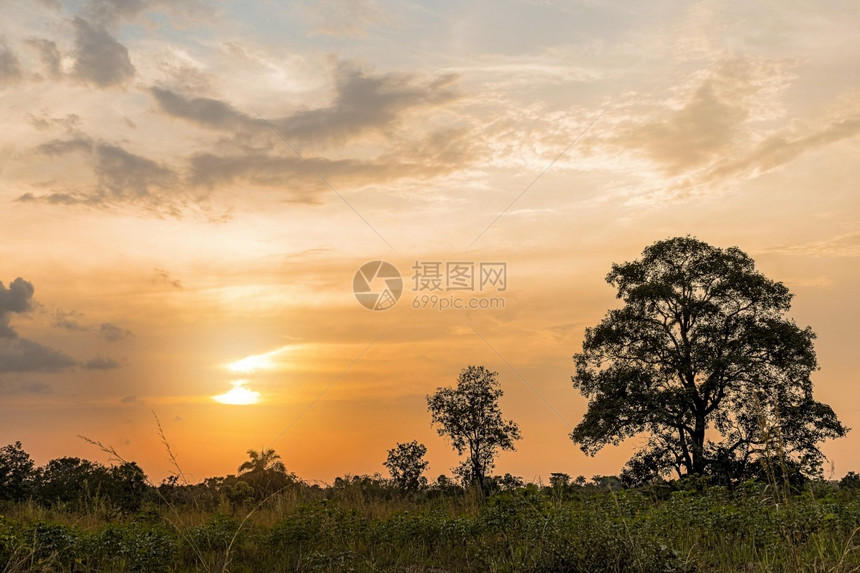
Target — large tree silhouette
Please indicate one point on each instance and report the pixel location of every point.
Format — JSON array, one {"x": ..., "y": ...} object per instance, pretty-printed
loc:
[
  {"x": 702, "y": 359},
  {"x": 469, "y": 415}
]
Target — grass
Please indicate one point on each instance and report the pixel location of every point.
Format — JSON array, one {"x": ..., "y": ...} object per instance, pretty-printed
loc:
[{"x": 361, "y": 527}]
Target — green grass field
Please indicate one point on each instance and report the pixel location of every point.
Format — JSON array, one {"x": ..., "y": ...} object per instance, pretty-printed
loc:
[{"x": 364, "y": 525}]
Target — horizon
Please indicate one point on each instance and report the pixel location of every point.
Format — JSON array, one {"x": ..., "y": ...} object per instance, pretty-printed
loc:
[{"x": 197, "y": 195}]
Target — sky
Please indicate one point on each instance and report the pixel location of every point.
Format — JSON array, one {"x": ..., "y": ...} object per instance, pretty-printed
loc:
[{"x": 189, "y": 189}]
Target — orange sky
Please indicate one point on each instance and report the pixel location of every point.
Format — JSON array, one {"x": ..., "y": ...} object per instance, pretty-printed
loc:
[{"x": 169, "y": 231}]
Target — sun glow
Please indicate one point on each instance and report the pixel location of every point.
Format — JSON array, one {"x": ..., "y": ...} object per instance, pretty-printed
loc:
[
  {"x": 238, "y": 395},
  {"x": 256, "y": 362}
]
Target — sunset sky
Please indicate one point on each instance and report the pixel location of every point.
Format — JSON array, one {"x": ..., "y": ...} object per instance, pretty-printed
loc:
[{"x": 190, "y": 187}]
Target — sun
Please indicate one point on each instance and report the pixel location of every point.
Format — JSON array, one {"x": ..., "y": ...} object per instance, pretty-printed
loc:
[{"x": 238, "y": 395}]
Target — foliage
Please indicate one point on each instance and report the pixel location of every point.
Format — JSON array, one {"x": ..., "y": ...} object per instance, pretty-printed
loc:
[
  {"x": 702, "y": 343},
  {"x": 406, "y": 464},
  {"x": 265, "y": 473},
  {"x": 16, "y": 472},
  {"x": 469, "y": 415},
  {"x": 590, "y": 528}
]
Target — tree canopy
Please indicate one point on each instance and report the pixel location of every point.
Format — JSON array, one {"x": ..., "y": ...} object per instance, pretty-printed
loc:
[
  {"x": 470, "y": 416},
  {"x": 702, "y": 359}
]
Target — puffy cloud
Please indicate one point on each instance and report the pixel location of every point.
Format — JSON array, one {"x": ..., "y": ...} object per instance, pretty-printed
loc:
[
  {"x": 121, "y": 176},
  {"x": 10, "y": 67},
  {"x": 17, "y": 298},
  {"x": 362, "y": 103},
  {"x": 688, "y": 137},
  {"x": 50, "y": 56},
  {"x": 99, "y": 58},
  {"x": 23, "y": 355},
  {"x": 113, "y": 333}
]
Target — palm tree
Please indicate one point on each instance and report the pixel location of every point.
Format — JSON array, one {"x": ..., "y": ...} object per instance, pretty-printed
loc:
[{"x": 262, "y": 461}]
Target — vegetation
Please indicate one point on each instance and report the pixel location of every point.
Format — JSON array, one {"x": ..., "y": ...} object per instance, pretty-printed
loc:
[
  {"x": 406, "y": 464},
  {"x": 703, "y": 361},
  {"x": 700, "y": 358},
  {"x": 367, "y": 523},
  {"x": 470, "y": 417}
]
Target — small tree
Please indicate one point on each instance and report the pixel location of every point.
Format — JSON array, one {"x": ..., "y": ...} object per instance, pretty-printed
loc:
[
  {"x": 16, "y": 472},
  {"x": 406, "y": 464},
  {"x": 265, "y": 472},
  {"x": 262, "y": 461},
  {"x": 470, "y": 416}
]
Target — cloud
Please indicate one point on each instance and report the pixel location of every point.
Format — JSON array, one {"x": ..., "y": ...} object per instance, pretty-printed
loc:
[
  {"x": 344, "y": 18},
  {"x": 362, "y": 103},
  {"x": 99, "y": 363},
  {"x": 99, "y": 58},
  {"x": 163, "y": 277},
  {"x": 110, "y": 13},
  {"x": 50, "y": 56},
  {"x": 17, "y": 298},
  {"x": 69, "y": 122},
  {"x": 66, "y": 321},
  {"x": 121, "y": 172},
  {"x": 113, "y": 333},
  {"x": 23, "y": 355},
  {"x": 121, "y": 176},
  {"x": 689, "y": 137},
  {"x": 26, "y": 387},
  {"x": 10, "y": 66},
  {"x": 844, "y": 245},
  {"x": 437, "y": 154}
]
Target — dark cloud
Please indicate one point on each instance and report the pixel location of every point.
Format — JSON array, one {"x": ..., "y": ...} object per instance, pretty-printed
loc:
[
  {"x": 363, "y": 103},
  {"x": 113, "y": 333},
  {"x": 23, "y": 355},
  {"x": 17, "y": 298},
  {"x": 69, "y": 122},
  {"x": 121, "y": 176},
  {"x": 25, "y": 387},
  {"x": 80, "y": 143},
  {"x": 121, "y": 172},
  {"x": 99, "y": 58},
  {"x": 10, "y": 67},
  {"x": 163, "y": 277},
  {"x": 68, "y": 321},
  {"x": 99, "y": 363},
  {"x": 202, "y": 111},
  {"x": 50, "y": 56},
  {"x": 436, "y": 154}
]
